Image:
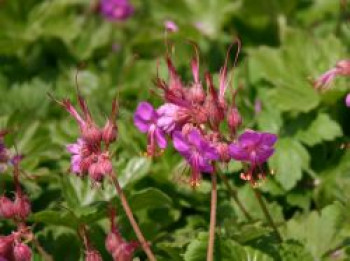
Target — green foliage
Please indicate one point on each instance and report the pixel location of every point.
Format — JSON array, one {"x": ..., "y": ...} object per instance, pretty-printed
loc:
[{"x": 286, "y": 45}]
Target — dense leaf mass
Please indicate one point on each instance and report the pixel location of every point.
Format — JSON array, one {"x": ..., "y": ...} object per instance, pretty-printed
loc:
[{"x": 118, "y": 52}]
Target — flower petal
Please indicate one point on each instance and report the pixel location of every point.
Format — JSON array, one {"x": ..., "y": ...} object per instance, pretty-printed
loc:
[
  {"x": 160, "y": 138},
  {"x": 180, "y": 144}
]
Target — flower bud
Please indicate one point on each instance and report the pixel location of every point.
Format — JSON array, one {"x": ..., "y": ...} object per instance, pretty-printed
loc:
[
  {"x": 21, "y": 207},
  {"x": 6, "y": 245},
  {"x": 95, "y": 172},
  {"x": 234, "y": 119},
  {"x": 223, "y": 151},
  {"x": 93, "y": 255},
  {"x": 343, "y": 67},
  {"x": 125, "y": 251},
  {"x": 196, "y": 93},
  {"x": 91, "y": 133},
  {"x": 113, "y": 241},
  {"x": 22, "y": 252},
  {"x": 109, "y": 132},
  {"x": 6, "y": 207}
]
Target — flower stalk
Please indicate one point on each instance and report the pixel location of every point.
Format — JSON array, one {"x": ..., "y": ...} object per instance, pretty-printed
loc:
[
  {"x": 213, "y": 204},
  {"x": 267, "y": 213},
  {"x": 233, "y": 194},
  {"x": 129, "y": 214}
]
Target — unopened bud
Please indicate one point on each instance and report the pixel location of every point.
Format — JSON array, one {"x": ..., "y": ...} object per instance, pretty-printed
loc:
[
  {"x": 196, "y": 93},
  {"x": 93, "y": 255},
  {"x": 343, "y": 67},
  {"x": 91, "y": 133},
  {"x": 234, "y": 119},
  {"x": 113, "y": 241},
  {"x": 109, "y": 132},
  {"x": 21, "y": 207},
  {"x": 6, "y": 245},
  {"x": 22, "y": 252},
  {"x": 95, "y": 172},
  {"x": 6, "y": 207}
]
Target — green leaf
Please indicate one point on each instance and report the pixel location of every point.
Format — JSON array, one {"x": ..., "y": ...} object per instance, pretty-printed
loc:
[
  {"x": 292, "y": 250},
  {"x": 289, "y": 161},
  {"x": 317, "y": 231},
  {"x": 149, "y": 198},
  {"x": 224, "y": 250},
  {"x": 323, "y": 128},
  {"x": 57, "y": 218},
  {"x": 136, "y": 168}
]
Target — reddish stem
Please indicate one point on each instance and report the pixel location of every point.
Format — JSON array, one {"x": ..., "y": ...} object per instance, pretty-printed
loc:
[
  {"x": 131, "y": 218},
  {"x": 213, "y": 203}
]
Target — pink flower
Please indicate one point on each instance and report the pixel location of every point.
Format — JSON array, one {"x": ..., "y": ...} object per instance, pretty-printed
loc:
[
  {"x": 146, "y": 120},
  {"x": 255, "y": 148},
  {"x": 168, "y": 119},
  {"x": 171, "y": 26},
  {"x": 116, "y": 10},
  {"x": 77, "y": 150},
  {"x": 197, "y": 151},
  {"x": 347, "y": 100},
  {"x": 342, "y": 68}
]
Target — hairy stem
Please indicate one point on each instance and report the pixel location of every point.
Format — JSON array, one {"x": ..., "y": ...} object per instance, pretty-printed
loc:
[
  {"x": 132, "y": 220},
  {"x": 267, "y": 213},
  {"x": 213, "y": 203},
  {"x": 233, "y": 194}
]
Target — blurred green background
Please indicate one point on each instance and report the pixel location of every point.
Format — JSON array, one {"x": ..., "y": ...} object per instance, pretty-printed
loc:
[{"x": 286, "y": 44}]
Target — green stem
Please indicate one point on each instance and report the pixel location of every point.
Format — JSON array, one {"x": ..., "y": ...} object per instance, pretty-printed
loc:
[
  {"x": 267, "y": 213},
  {"x": 129, "y": 214},
  {"x": 213, "y": 203},
  {"x": 233, "y": 194}
]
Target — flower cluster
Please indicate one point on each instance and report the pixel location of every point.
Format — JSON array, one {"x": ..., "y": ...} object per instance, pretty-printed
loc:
[
  {"x": 90, "y": 155},
  {"x": 116, "y": 10},
  {"x": 323, "y": 82},
  {"x": 12, "y": 246},
  {"x": 120, "y": 249},
  {"x": 192, "y": 117}
]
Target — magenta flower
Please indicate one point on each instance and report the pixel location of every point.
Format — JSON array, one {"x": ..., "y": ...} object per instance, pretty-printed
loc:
[
  {"x": 253, "y": 147},
  {"x": 168, "y": 117},
  {"x": 116, "y": 10},
  {"x": 324, "y": 81},
  {"x": 171, "y": 26},
  {"x": 197, "y": 151},
  {"x": 347, "y": 100},
  {"x": 76, "y": 149},
  {"x": 145, "y": 119},
  {"x": 342, "y": 68}
]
